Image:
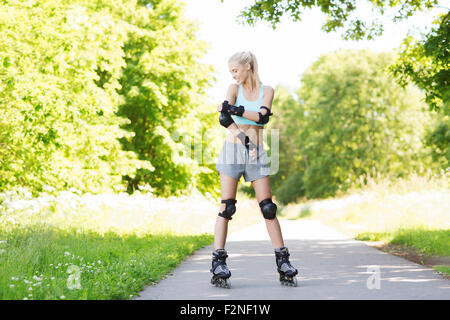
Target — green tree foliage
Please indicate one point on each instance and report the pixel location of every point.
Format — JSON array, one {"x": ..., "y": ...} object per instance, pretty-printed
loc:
[
  {"x": 292, "y": 189},
  {"x": 438, "y": 140},
  {"x": 354, "y": 120},
  {"x": 67, "y": 66},
  {"x": 51, "y": 131},
  {"x": 163, "y": 86},
  {"x": 340, "y": 14},
  {"x": 289, "y": 120},
  {"x": 425, "y": 63}
]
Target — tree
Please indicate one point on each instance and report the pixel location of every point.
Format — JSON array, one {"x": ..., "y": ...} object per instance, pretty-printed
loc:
[
  {"x": 425, "y": 63},
  {"x": 356, "y": 121},
  {"x": 57, "y": 124},
  {"x": 339, "y": 13},
  {"x": 77, "y": 78},
  {"x": 163, "y": 86},
  {"x": 288, "y": 119}
]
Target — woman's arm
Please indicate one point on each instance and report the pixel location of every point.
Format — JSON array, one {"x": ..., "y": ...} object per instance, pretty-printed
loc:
[
  {"x": 232, "y": 127},
  {"x": 231, "y": 98}
]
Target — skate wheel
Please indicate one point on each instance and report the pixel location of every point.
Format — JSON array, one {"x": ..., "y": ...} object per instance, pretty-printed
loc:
[
  {"x": 294, "y": 281},
  {"x": 227, "y": 283},
  {"x": 221, "y": 283},
  {"x": 289, "y": 282}
]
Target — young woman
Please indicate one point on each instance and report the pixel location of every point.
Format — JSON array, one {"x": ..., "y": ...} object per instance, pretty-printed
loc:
[{"x": 244, "y": 113}]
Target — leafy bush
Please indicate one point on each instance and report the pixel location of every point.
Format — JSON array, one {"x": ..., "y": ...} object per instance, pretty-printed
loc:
[{"x": 292, "y": 189}]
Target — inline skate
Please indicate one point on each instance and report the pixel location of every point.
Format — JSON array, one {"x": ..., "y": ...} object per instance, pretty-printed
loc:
[
  {"x": 221, "y": 274},
  {"x": 285, "y": 269}
]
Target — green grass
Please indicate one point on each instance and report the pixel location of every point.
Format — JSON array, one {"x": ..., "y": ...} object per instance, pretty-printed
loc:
[
  {"x": 443, "y": 269},
  {"x": 108, "y": 246},
  {"x": 36, "y": 261},
  {"x": 430, "y": 242},
  {"x": 73, "y": 246}
]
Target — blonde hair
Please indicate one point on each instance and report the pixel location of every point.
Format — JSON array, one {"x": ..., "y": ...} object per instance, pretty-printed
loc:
[{"x": 244, "y": 57}]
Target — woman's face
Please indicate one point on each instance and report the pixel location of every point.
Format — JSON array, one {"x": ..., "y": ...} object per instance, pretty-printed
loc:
[{"x": 238, "y": 71}]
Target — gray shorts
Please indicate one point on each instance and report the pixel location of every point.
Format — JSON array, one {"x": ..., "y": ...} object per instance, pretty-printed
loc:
[{"x": 234, "y": 161}]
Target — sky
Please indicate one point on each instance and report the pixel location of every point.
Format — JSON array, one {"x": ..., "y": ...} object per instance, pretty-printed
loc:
[{"x": 285, "y": 53}]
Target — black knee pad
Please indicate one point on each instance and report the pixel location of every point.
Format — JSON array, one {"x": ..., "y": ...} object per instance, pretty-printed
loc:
[
  {"x": 268, "y": 209},
  {"x": 230, "y": 209}
]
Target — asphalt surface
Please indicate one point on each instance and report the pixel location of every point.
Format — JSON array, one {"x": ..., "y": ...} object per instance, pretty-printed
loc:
[{"x": 331, "y": 266}]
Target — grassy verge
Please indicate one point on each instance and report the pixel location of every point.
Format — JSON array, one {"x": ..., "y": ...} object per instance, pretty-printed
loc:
[
  {"x": 411, "y": 213},
  {"x": 109, "y": 246},
  {"x": 428, "y": 242},
  {"x": 49, "y": 263}
]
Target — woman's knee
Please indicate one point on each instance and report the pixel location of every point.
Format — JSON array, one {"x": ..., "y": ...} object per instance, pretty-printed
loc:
[
  {"x": 264, "y": 197},
  {"x": 268, "y": 209}
]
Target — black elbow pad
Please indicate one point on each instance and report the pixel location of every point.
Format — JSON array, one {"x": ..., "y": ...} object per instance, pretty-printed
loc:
[
  {"x": 225, "y": 119},
  {"x": 263, "y": 119}
]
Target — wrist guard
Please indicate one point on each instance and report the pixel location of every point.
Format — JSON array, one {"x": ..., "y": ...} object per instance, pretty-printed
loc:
[{"x": 237, "y": 111}]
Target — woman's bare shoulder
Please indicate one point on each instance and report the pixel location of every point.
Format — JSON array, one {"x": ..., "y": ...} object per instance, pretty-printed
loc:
[
  {"x": 232, "y": 93},
  {"x": 268, "y": 89},
  {"x": 233, "y": 87}
]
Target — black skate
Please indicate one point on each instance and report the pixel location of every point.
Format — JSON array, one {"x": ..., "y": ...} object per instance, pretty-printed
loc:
[
  {"x": 219, "y": 269},
  {"x": 285, "y": 269}
]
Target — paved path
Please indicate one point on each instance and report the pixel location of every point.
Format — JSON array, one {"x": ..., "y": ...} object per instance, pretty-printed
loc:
[{"x": 331, "y": 266}]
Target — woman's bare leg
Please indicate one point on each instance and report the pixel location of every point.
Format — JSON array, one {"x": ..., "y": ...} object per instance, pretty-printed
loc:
[
  {"x": 228, "y": 188},
  {"x": 263, "y": 191}
]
